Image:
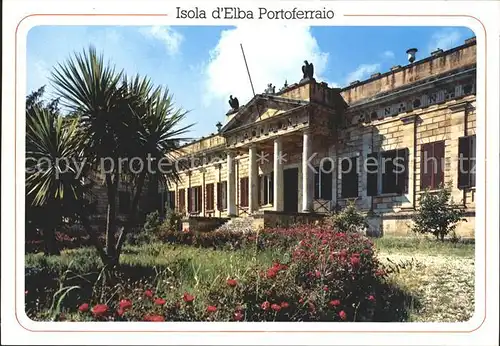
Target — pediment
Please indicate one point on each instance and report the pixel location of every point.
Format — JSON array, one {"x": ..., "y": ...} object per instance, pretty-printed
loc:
[{"x": 260, "y": 108}]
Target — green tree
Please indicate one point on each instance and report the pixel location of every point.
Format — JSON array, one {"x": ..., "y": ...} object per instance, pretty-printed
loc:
[
  {"x": 437, "y": 214},
  {"x": 120, "y": 119},
  {"x": 53, "y": 188}
]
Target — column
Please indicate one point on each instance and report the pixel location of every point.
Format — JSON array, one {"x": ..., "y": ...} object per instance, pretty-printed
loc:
[
  {"x": 278, "y": 175},
  {"x": 252, "y": 179},
  {"x": 307, "y": 182},
  {"x": 231, "y": 186}
]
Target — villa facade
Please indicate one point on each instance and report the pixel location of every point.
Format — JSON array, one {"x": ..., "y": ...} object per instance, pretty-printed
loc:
[{"x": 287, "y": 152}]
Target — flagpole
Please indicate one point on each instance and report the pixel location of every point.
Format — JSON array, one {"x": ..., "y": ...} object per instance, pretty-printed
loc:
[{"x": 248, "y": 71}]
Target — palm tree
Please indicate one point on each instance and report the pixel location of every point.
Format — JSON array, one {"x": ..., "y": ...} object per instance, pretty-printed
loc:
[
  {"x": 120, "y": 119},
  {"x": 53, "y": 187},
  {"x": 160, "y": 134},
  {"x": 90, "y": 87}
]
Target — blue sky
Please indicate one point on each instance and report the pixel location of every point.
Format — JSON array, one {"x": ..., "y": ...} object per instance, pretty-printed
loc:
[{"x": 203, "y": 65}]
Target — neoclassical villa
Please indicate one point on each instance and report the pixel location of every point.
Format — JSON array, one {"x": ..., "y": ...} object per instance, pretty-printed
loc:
[{"x": 289, "y": 153}]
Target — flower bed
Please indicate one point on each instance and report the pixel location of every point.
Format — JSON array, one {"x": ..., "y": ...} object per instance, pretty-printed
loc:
[{"x": 328, "y": 276}]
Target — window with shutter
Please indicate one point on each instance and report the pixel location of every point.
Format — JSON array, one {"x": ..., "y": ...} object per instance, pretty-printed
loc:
[
  {"x": 349, "y": 177},
  {"x": 431, "y": 165},
  {"x": 467, "y": 161},
  {"x": 209, "y": 193},
  {"x": 323, "y": 178},
  {"x": 244, "y": 192},
  {"x": 182, "y": 201}
]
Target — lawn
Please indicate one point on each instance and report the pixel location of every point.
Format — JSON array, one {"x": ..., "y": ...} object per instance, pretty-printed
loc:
[{"x": 428, "y": 280}]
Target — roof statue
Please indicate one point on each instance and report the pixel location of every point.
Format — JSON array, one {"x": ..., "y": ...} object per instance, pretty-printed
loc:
[
  {"x": 270, "y": 89},
  {"x": 234, "y": 103},
  {"x": 307, "y": 70}
]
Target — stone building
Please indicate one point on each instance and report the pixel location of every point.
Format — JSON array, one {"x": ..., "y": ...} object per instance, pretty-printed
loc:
[{"x": 265, "y": 160}]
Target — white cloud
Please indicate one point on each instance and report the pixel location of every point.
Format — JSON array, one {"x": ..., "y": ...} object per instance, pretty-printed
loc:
[
  {"x": 170, "y": 38},
  {"x": 445, "y": 39},
  {"x": 389, "y": 54},
  {"x": 274, "y": 53},
  {"x": 362, "y": 72}
]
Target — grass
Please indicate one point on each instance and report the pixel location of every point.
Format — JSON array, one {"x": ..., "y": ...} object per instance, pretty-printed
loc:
[
  {"x": 424, "y": 246},
  {"x": 437, "y": 276},
  {"x": 440, "y": 275}
]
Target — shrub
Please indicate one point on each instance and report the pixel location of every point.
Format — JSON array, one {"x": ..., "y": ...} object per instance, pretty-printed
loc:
[
  {"x": 348, "y": 219},
  {"x": 437, "y": 214},
  {"x": 172, "y": 220}
]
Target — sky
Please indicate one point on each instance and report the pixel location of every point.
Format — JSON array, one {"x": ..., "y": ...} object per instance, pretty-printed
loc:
[{"x": 202, "y": 65}]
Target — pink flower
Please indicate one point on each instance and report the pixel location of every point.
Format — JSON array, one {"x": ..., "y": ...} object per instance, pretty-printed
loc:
[
  {"x": 276, "y": 307},
  {"x": 160, "y": 301},
  {"x": 238, "y": 316},
  {"x": 334, "y": 303},
  {"x": 125, "y": 304},
  {"x": 154, "y": 318},
  {"x": 120, "y": 311},
  {"x": 285, "y": 305},
  {"x": 211, "y": 308},
  {"x": 232, "y": 282},
  {"x": 355, "y": 261},
  {"x": 371, "y": 298},
  {"x": 343, "y": 315},
  {"x": 188, "y": 298},
  {"x": 100, "y": 310},
  {"x": 84, "y": 307},
  {"x": 148, "y": 293},
  {"x": 265, "y": 306}
]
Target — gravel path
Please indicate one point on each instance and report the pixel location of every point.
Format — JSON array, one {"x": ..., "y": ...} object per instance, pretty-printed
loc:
[{"x": 444, "y": 285}]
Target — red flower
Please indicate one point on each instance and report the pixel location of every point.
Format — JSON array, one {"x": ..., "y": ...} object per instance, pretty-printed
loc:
[
  {"x": 343, "y": 315},
  {"x": 211, "y": 308},
  {"x": 148, "y": 293},
  {"x": 371, "y": 298},
  {"x": 276, "y": 307},
  {"x": 285, "y": 305},
  {"x": 125, "y": 304},
  {"x": 317, "y": 273},
  {"x": 120, "y": 311},
  {"x": 325, "y": 288},
  {"x": 160, "y": 301},
  {"x": 238, "y": 316},
  {"x": 355, "y": 261},
  {"x": 188, "y": 298},
  {"x": 334, "y": 303},
  {"x": 154, "y": 318},
  {"x": 100, "y": 310},
  {"x": 84, "y": 307},
  {"x": 232, "y": 282},
  {"x": 265, "y": 306},
  {"x": 271, "y": 273}
]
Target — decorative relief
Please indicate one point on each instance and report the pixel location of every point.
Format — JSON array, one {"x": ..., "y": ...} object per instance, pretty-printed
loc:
[
  {"x": 414, "y": 102},
  {"x": 288, "y": 123}
]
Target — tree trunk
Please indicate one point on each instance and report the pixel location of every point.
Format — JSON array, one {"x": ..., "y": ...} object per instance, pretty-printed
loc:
[
  {"x": 112, "y": 186},
  {"x": 132, "y": 212}
]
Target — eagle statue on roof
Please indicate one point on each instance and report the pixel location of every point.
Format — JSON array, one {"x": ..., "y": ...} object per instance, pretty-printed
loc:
[
  {"x": 234, "y": 103},
  {"x": 307, "y": 70}
]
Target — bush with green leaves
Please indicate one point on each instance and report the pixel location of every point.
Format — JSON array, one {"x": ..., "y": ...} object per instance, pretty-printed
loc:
[
  {"x": 172, "y": 220},
  {"x": 437, "y": 214},
  {"x": 348, "y": 219}
]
